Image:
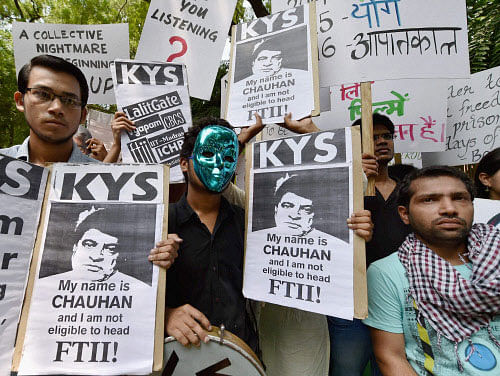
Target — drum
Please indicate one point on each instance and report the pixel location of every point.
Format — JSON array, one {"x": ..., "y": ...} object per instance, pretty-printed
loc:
[{"x": 224, "y": 354}]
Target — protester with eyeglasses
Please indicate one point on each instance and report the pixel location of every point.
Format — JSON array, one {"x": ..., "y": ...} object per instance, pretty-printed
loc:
[{"x": 52, "y": 94}]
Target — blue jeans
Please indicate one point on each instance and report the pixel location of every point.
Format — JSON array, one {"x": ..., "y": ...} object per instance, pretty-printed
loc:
[{"x": 350, "y": 348}]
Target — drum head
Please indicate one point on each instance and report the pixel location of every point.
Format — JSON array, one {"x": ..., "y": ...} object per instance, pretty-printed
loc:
[{"x": 231, "y": 357}]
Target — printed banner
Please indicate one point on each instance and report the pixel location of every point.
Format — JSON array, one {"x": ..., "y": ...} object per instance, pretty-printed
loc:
[
  {"x": 92, "y": 48},
  {"x": 22, "y": 186},
  {"x": 156, "y": 98},
  {"x": 473, "y": 127},
  {"x": 94, "y": 298},
  {"x": 416, "y": 107},
  {"x": 299, "y": 251},
  {"x": 271, "y": 69},
  {"x": 188, "y": 32},
  {"x": 487, "y": 211},
  {"x": 394, "y": 39}
]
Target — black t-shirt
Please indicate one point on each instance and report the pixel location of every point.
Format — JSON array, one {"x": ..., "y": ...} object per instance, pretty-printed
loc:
[
  {"x": 389, "y": 231},
  {"x": 208, "y": 273}
]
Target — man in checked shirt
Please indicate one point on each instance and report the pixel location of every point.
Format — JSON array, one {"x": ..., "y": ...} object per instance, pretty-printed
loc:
[{"x": 434, "y": 304}]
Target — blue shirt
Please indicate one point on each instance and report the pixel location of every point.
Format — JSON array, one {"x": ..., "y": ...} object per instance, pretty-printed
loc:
[
  {"x": 391, "y": 311},
  {"x": 22, "y": 152}
]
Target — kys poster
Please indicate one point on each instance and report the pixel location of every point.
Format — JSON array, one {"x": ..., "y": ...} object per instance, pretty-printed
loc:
[
  {"x": 299, "y": 251},
  {"x": 273, "y": 68},
  {"x": 92, "y": 309},
  {"x": 155, "y": 97}
]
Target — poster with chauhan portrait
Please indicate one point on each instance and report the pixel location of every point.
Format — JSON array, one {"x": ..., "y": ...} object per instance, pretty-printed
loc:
[
  {"x": 93, "y": 304},
  {"x": 273, "y": 68},
  {"x": 299, "y": 251}
]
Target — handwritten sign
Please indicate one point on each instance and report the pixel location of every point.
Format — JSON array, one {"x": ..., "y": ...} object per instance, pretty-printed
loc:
[
  {"x": 326, "y": 35},
  {"x": 416, "y": 107},
  {"x": 392, "y": 39},
  {"x": 188, "y": 32},
  {"x": 92, "y": 48},
  {"x": 473, "y": 126}
]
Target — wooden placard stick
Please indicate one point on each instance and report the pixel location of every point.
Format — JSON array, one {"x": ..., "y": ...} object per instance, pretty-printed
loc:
[{"x": 367, "y": 129}]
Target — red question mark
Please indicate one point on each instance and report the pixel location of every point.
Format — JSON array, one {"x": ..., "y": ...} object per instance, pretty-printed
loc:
[{"x": 172, "y": 40}]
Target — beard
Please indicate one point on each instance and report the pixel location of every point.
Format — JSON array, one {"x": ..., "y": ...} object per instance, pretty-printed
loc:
[
  {"x": 50, "y": 139},
  {"x": 435, "y": 235}
]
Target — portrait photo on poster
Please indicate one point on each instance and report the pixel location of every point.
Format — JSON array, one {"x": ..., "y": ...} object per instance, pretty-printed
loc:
[
  {"x": 302, "y": 202},
  {"x": 272, "y": 56},
  {"x": 99, "y": 242}
]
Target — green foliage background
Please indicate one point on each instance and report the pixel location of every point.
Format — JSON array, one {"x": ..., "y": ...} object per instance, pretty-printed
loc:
[{"x": 483, "y": 21}]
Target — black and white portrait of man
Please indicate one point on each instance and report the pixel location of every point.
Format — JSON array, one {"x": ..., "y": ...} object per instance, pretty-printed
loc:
[
  {"x": 311, "y": 203},
  {"x": 270, "y": 55},
  {"x": 101, "y": 242}
]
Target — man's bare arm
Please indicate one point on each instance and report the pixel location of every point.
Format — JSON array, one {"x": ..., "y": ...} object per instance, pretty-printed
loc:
[{"x": 389, "y": 349}]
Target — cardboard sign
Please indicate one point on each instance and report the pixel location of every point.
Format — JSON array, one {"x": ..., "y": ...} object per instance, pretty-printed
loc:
[
  {"x": 22, "y": 186},
  {"x": 92, "y": 48},
  {"x": 273, "y": 68},
  {"x": 93, "y": 306},
  {"x": 188, "y": 32},
  {"x": 299, "y": 251},
  {"x": 394, "y": 39},
  {"x": 473, "y": 127}
]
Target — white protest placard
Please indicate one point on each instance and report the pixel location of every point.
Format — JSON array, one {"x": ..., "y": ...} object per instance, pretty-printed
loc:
[
  {"x": 94, "y": 298},
  {"x": 412, "y": 158},
  {"x": 273, "y": 68},
  {"x": 299, "y": 251},
  {"x": 487, "y": 211},
  {"x": 416, "y": 107},
  {"x": 155, "y": 96},
  {"x": 92, "y": 48},
  {"x": 473, "y": 126},
  {"x": 189, "y": 32},
  {"x": 22, "y": 186},
  {"x": 326, "y": 34},
  {"x": 99, "y": 125},
  {"x": 394, "y": 39}
]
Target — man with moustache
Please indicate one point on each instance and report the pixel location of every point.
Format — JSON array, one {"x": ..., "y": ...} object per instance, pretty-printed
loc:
[{"x": 434, "y": 304}]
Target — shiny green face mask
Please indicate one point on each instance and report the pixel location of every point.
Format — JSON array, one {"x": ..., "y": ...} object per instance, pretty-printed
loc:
[{"x": 215, "y": 157}]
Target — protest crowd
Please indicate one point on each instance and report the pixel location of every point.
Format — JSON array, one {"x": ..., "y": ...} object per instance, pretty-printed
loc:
[{"x": 430, "y": 271}]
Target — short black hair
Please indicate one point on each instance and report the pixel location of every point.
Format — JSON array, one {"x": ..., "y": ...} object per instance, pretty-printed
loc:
[
  {"x": 103, "y": 219},
  {"x": 405, "y": 193},
  {"x": 489, "y": 164},
  {"x": 57, "y": 64},
  {"x": 270, "y": 44},
  {"x": 192, "y": 134},
  {"x": 293, "y": 185},
  {"x": 379, "y": 119},
  {"x": 399, "y": 171}
]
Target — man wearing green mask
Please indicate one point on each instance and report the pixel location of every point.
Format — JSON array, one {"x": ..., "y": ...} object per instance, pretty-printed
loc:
[{"x": 204, "y": 285}]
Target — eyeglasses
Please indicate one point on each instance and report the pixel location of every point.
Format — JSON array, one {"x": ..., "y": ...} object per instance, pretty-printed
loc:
[
  {"x": 385, "y": 136},
  {"x": 45, "y": 96}
]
